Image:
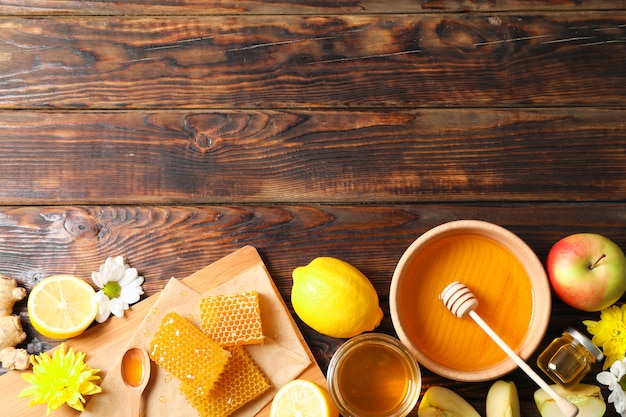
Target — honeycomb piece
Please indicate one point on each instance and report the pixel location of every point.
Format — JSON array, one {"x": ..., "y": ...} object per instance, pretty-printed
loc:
[
  {"x": 187, "y": 353},
  {"x": 241, "y": 382},
  {"x": 232, "y": 319}
]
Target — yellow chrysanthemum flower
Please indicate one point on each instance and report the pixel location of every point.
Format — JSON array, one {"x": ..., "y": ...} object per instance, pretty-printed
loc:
[
  {"x": 609, "y": 333},
  {"x": 61, "y": 379}
]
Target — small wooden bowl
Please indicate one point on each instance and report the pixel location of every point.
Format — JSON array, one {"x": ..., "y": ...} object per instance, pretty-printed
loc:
[{"x": 508, "y": 280}]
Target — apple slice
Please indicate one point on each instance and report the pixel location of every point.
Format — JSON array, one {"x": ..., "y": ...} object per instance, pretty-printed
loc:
[
  {"x": 439, "y": 402},
  {"x": 503, "y": 400},
  {"x": 587, "y": 398}
]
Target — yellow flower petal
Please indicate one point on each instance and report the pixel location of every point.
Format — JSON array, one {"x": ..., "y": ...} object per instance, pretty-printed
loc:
[
  {"x": 609, "y": 333},
  {"x": 63, "y": 378}
]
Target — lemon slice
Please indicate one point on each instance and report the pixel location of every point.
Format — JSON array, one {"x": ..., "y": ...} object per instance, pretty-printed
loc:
[
  {"x": 62, "y": 306},
  {"x": 302, "y": 398}
]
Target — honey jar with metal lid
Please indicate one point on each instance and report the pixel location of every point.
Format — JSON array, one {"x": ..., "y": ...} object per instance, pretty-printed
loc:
[{"x": 569, "y": 358}]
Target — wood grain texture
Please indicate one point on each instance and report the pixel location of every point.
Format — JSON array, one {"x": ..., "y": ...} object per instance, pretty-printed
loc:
[
  {"x": 175, "y": 132},
  {"x": 341, "y": 61},
  {"x": 315, "y": 156},
  {"x": 166, "y": 241},
  {"x": 209, "y": 7}
]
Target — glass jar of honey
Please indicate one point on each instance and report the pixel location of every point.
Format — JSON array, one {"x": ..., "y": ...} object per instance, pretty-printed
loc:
[
  {"x": 374, "y": 375},
  {"x": 569, "y": 358}
]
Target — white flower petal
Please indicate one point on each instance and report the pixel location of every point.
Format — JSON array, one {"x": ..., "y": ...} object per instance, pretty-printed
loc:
[
  {"x": 117, "y": 273},
  {"x": 618, "y": 368},
  {"x": 115, "y": 270},
  {"x": 620, "y": 405},
  {"x": 136, "y": 283},
  {"x": 108, "y": 266},
  {"x": 103, "y": 314},
  {"x": 612, "y": 397},
  {"x": 130, "y": 295},
  {"x": 96, "y": 277},
  {"x": 606, "y": 378},
  {"x": 104, "y": 306},
  {"x": 128, "y": 276},
  {"x": 99, "y": 296},
  {"x": 101, "y": 277},
  {"x": 117, "y": 307}
]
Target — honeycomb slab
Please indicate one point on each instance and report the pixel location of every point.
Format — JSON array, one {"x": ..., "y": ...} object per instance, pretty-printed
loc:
[
  {"x": 187, "y": 353},
  {"x": 232, "y": 319},
  {"x": 241, "y": 382}
]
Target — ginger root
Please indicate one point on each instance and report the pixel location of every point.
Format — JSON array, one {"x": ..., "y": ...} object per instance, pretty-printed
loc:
[{"x": 11, "y": 333}]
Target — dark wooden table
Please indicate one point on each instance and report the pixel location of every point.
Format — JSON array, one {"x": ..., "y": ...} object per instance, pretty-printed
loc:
[{"x": 175, "y": 132}]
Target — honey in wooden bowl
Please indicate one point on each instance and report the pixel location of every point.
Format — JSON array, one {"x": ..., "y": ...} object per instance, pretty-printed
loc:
[
  {"x": 507, "y": 279},
  {"x": 374, "y": 375}
]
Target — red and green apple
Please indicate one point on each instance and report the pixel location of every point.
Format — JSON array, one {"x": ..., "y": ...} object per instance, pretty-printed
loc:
[{"x": 587, "y": 271}]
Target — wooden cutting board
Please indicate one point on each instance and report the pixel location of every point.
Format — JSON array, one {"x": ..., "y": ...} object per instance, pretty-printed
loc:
[{"x": 107, "y": 340}]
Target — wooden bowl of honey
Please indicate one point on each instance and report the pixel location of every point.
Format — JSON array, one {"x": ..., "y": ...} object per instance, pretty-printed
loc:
[{"x": 506, "y": 277}]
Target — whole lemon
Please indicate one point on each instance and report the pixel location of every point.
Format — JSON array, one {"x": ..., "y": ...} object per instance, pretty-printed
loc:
[{"x": 335, "y": 298}]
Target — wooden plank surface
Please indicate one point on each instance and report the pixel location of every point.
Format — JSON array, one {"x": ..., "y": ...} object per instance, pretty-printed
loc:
[
  {"x": 166, "y": 241},
  {"x": 203, "y": 157},
  {"x": 204, "y": 7},
  {"x": 387, "y": 60},
  {"x": 175, "y": 132}
]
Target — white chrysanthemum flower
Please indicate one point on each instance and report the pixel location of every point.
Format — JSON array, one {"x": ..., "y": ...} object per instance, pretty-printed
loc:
[
  {"x": 120, "y": 287},
  {"x": 614, "y": 379}
]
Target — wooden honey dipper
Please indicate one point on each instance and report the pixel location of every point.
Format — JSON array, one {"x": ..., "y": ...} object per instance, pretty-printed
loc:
[{"x": 461, "y": 302}]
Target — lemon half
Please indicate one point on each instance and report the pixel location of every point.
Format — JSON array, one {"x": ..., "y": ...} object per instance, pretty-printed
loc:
[
  {"x": 302, "y": 398},
  {"x": 61, "y": 306}
]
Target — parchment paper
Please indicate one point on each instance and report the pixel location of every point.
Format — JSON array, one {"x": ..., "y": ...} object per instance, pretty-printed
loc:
[{"x": 281, "y": 357}]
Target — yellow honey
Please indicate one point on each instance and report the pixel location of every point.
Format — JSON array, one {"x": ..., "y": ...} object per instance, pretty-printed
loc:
[
  {"x": 500, "y": 283},
  {"x": 374, "y": 375}
]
